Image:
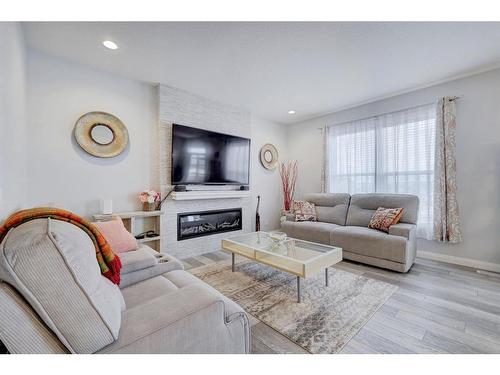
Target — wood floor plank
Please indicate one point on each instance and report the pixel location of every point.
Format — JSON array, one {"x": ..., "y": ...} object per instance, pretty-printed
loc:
[
  {"x": 455, "y": 314},
  {"x": 380, "y": 343},
  {"x": 429, "y": 270},
  {"x": 427, "y": 314},
  {"x": 472, "y": 314},
  {"x": 187, "y": 266},
  {"x": 224, "y": 254},
  {"x": 444, "y": 266},
  {"x": 356, "y": 347},
  {"x": 276, "y": 341},
  {"x": 350, "y": 350},
  {"x": 407, "y": 328},
  {"x": 448, "y": 345},
  {"x": 409, "y": 342},
  {"x": 487, "y": 333},
  {"x": 387, "y": 310},
  {"x": 416, "y": 283},
  {"x": 455, "y": 295},
  {"x": 258, "y": 347},
  {"x": 213, "y": 256},
  {"x": 194, "y": 262},
  {"x": 479, "y": 344},
  {"x": 204, "y": 259}
]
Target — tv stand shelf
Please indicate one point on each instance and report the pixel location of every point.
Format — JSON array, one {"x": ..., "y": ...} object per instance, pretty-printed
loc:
[{"x": 207, "y": 194}]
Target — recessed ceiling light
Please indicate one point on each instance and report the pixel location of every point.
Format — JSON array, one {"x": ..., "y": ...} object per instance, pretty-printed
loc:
[
  {"x": 291, "y": 112},
  {"x": 109, "y": 44}
]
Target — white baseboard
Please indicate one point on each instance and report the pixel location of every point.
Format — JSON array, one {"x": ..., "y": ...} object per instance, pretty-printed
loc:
[{"x": 494, "y": 267}]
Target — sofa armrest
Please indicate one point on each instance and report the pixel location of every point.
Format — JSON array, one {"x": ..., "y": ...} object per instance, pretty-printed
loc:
[{"x": 403, "y": 230}]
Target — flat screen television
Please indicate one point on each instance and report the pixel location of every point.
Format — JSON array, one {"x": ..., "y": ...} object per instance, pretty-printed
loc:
[{"x": 202, "y": 157}]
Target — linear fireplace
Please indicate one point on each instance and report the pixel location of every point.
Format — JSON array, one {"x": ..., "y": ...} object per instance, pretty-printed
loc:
[{"x": 204, "y": 223}]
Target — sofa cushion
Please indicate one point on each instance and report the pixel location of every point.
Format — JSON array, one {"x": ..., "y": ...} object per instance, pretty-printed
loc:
[
  {"x": 117, "y": 236},
  {"x": 362, "y": 207},
  {"x": 147, "y": 290},
  {"x": 166, "y": 284},
  {"x": 330, "y": 207},
  {"x": 313, "y": 231},
  {"x": 370, "y": 242},
  {"x": 52, "y": 264}
]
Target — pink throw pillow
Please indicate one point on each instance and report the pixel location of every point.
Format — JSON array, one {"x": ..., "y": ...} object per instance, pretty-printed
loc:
[{"x": 119, "y": 239}]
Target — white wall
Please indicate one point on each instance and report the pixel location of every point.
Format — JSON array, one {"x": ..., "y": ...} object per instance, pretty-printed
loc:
[
  {"x": 59, "y": 92},
  {"x": 478, "y": 160},
  {"x": 267, "y": 183},
  {"x": 13, "y": 150}
]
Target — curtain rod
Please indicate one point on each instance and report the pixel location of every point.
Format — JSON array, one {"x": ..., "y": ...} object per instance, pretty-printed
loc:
[{"x": 451, "y": 98}]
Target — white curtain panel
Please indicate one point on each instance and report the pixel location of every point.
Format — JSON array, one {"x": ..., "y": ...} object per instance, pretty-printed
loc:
[
  {"x": 325, "y": 169},
  {"x": 389, "y": 153},
  {"x": 447, "y": 227}
]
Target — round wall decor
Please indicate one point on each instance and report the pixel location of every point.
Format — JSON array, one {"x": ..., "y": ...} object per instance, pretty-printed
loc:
[
  {"x": 101, "y": 134},
  {"x": 269, "y": 156}
]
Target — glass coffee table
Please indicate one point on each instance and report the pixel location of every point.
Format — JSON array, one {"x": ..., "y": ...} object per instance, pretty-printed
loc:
[{"x": 300, "y": 258}]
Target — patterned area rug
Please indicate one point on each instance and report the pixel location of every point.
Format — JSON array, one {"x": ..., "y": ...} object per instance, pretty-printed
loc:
[{"x": 327, "y": 318}]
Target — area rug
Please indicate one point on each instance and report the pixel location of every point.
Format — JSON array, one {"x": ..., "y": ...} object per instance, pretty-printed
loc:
[{"x": 327, "y": 318}]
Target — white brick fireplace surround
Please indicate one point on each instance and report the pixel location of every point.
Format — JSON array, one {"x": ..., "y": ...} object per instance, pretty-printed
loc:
[{"x": 180, "y": 107}]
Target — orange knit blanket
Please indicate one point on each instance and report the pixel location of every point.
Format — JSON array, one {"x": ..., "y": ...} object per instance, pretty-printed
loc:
[{"x": 108, "y": 261}]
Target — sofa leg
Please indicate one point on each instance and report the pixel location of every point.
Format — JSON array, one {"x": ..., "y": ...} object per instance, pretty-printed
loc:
[
  {"x": 232, "y": 262},
  {"x": 326, "y": 276}
]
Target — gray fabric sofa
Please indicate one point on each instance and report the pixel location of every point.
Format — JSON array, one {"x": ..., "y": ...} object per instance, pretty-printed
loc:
[
  {"x": 343, "y": 222},
  {"x": 53, "y": 299}
]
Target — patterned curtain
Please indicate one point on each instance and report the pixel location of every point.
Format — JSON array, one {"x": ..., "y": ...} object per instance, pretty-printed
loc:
[{"x": 447, "y": 226}]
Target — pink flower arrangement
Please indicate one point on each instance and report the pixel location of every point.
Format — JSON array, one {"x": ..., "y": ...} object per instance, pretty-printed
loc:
[{"x": 149, "y": 196}]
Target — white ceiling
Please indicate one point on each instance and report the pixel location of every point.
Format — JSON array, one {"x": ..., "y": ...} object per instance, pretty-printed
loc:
[{"x": 271, "y": 68}]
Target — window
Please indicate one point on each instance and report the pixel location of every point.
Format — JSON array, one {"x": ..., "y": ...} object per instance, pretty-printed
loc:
[{"x": 390, "y": 153}]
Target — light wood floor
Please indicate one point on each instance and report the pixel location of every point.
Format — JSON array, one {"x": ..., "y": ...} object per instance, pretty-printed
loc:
[{"x": 438, "y": 308}]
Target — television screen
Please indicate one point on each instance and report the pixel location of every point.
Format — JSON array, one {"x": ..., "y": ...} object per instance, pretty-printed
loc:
[{"x": 209, "y": 158}]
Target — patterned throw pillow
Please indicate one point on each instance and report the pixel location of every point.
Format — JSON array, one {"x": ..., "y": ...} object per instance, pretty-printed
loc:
[
  {"x": 304, "y": 211},
  {"x": 383, "y": 218}
]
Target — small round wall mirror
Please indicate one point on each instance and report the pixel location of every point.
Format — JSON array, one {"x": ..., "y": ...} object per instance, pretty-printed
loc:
[
  {"x": 102, "y": 134},
  {"x": 269, "y": 156}
]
